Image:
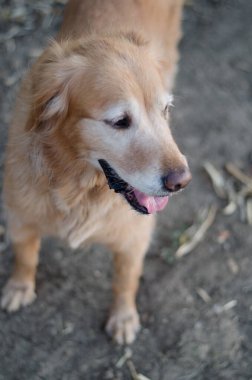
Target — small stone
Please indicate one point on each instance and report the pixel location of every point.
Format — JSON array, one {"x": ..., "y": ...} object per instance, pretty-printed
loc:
[{"x": 233, "y": 266}]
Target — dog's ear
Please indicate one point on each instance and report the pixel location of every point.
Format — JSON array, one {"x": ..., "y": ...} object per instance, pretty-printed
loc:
[
  {"x": 168, "y": 72},
  {"x": 51, "y": 81}
]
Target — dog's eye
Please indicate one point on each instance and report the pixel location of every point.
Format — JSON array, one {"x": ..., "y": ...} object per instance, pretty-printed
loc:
[
  {"x": 168, "y": 106},
  {"x": 122, "y": 123},
  {"x": 166, "y": 111}
]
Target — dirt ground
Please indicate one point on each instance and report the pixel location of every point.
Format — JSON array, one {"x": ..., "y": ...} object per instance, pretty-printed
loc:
[{"x": 183, "y": 337}]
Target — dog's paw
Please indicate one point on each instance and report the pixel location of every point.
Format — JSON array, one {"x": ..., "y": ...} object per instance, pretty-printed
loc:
[
  {"x": 17, "y": 294},
  {"x": 123, "y": 325}
]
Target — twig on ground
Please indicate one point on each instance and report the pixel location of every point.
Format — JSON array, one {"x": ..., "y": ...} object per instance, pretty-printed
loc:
[
  {"x": 187, "y": 247},
  {"x": 230, "y": 208},
  {"x": 246, "y": 191},
  {"x": 238, "y": 174},
  {"x": 249, "y": 210},
  {"x": 237, "y": 199},
  {"x": 230, "y": 305},
  {"x": 126, "y": 356},
  {"x": 203, "y": 295},
  {"x": 218, "y": 309},
  {"x": 218, "y": 181},
  {"x": 134, "y": 374}
]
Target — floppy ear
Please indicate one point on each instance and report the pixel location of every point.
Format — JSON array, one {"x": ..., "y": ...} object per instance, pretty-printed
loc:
[{"x": 51, "y": 78}]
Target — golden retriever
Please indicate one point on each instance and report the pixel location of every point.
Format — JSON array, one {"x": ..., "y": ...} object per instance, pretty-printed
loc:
[{"x": 90, "y": 156}]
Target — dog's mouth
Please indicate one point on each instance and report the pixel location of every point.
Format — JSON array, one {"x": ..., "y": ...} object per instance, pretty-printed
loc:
[{"x": 139, "y": 201}]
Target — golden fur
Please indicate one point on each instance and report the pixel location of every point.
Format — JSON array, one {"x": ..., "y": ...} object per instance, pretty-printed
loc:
[{"x": 106, "y": 51}]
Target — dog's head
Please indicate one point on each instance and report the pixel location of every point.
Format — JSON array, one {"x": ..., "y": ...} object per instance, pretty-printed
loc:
[{"x": 107, "y": 102}]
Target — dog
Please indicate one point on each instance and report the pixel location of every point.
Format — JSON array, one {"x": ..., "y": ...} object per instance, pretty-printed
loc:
[{"x": 90, "y": 156}]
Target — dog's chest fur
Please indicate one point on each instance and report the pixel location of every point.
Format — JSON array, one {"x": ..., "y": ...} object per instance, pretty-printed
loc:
[
  {"x": 80, "y": 224},
  {"x": 83, "y": 213}
]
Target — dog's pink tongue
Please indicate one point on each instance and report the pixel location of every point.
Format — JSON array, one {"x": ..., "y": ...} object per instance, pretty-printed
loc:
[{"x": 153, "y": 204}]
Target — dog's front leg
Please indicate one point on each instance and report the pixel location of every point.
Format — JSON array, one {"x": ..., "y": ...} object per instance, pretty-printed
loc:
[
  {"x": 20, "y": 289},
  {"x": 123, "y": 323}
]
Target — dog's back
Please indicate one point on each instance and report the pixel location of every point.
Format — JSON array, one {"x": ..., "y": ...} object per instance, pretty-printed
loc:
[{"x": 158, "y": 21}]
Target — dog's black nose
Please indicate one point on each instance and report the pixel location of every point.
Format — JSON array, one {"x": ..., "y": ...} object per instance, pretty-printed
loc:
[{"x": 177, "y": 179}]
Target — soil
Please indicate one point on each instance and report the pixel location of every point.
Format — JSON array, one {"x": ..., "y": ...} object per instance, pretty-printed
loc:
[{"x": 183, "y": 336}]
